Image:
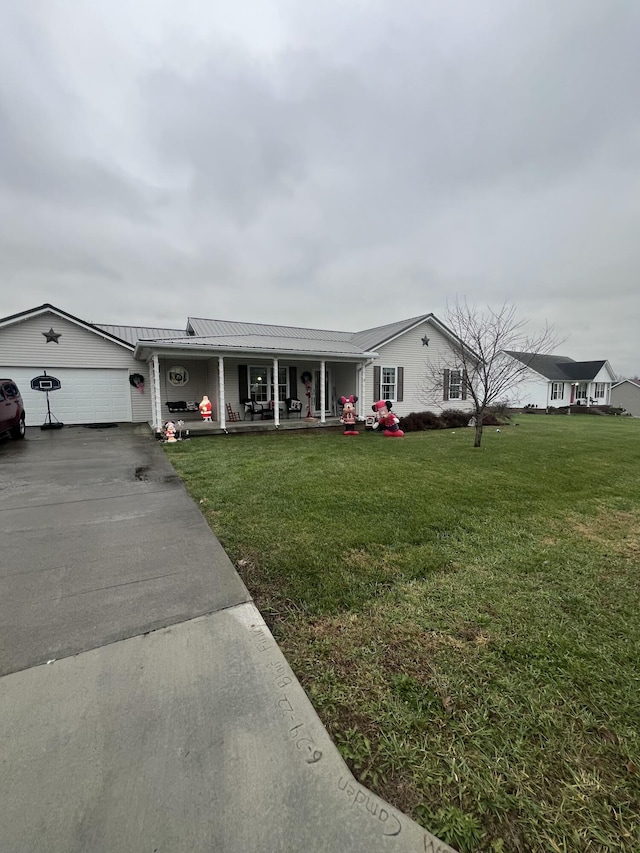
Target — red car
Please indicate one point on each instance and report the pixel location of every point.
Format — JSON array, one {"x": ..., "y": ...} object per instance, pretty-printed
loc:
[{"x": 11, "y": 409}]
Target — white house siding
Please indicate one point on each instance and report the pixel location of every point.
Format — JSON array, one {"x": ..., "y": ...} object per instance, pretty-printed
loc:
[
  {"x": 22, "y": 345},
  {"x": 627, "y": 395},
  {"x": 344, "y": 381},
  {"x": 202, "y": 380},
  {"x": 605, "y": 376},
  {"x": 418, "y": 360},
  {"x": 140, "y": 403},
  {"x": 535, "y": 390}
]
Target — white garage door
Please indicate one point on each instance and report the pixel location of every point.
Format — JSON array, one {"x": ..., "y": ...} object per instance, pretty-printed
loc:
[{"x": 87, "y": 396}]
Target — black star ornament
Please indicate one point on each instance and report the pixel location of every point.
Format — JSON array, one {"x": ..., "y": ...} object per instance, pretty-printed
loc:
[
  {"x": 425, "y": 341},
  {"x": 52, "y": 336}
]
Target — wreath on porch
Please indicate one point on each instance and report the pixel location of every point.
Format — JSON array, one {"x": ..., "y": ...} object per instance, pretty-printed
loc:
[
  {"x": 137, "y": 380},
  {"x": 306, "y": 378}
]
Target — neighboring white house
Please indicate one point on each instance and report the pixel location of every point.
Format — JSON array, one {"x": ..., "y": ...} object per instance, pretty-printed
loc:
[
  {"x": 626, "y": 394},
  {"x": 132, "y": 373},
  {"x": 558, "y": 381}
]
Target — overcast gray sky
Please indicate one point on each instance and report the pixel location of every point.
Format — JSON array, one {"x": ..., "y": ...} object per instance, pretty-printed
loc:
[{"x": 336, "y": 164}]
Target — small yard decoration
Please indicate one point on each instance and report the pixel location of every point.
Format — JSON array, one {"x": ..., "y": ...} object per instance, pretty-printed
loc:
[
  {"x": 205, "y": 408},
  {"x": 348, "y": 416},
  {"x": 170, "y": 432},
  {"x": 387, "y": 419}
]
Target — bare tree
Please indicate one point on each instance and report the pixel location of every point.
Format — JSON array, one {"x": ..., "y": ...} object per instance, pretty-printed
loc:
[{"x": 487, "y": 374}]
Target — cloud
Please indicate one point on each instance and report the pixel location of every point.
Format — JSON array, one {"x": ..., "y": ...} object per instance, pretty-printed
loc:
[{"x": 325, "y": 163}]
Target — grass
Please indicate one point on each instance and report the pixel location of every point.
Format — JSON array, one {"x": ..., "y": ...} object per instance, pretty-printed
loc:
[{"x": 464, "y": 620}]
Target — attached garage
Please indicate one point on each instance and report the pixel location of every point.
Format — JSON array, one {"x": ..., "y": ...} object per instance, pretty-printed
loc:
[
  {"x": 92, "y": 364},
  {"x": 86, "y": 395}
]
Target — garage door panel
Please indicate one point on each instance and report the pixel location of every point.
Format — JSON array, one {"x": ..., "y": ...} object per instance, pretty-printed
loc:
[{"x": 86, "y": 396}]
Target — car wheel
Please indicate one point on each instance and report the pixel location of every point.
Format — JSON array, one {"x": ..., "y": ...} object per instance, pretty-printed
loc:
[{"x": 20, "y": 430}]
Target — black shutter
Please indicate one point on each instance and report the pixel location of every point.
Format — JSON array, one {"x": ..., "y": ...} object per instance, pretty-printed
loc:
[
  {"x": 445, "y": 385},
  {"x": 376, "y": 383},
  {"x": 465, "y": 380},
  {"x": 293, "y": 383},
  {"x": 243, "y": 382},
  {"x": 400, "y": 390}
]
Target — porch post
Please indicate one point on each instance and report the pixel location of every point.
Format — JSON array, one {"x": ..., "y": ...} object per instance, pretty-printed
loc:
[
  {"x": 222, "y": 414},
  {"x": 152, "y": 393},
  {"x": 322, "y": 392},
  {"x": 363, "y": 383},
  {"x": 276, "y": 397},
  {"x": 156, "y": 403}
]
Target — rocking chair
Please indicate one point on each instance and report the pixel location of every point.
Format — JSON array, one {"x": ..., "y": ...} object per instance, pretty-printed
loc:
[{"x": 231, "y": 415}]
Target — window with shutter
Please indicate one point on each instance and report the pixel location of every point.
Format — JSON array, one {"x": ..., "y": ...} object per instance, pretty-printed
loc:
[
  {"x": 388, "y": 384},
  {"x": 455, "y": 384}
]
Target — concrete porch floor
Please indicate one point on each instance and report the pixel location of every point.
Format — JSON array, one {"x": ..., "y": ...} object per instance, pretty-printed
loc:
[{"x": 197, "y": 428}]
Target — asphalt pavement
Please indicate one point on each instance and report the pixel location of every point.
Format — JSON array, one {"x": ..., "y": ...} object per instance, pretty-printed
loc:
[{"x": 144, "y": 705}]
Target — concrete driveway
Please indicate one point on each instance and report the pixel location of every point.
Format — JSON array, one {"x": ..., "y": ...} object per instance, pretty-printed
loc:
[
  {"x": 100, "y": 542},
  {"x": 144, "y": 705}
]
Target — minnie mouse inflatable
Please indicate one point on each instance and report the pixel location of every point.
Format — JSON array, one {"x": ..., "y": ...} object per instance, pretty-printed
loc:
[
  {"x": 348, "y": 416},
  {"x": 387, "y": 419}
]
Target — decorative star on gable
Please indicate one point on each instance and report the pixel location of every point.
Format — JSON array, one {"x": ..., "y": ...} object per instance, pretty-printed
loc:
[
  {"x": 52, "y": 336},
  {"x": 425, "y": 341}
]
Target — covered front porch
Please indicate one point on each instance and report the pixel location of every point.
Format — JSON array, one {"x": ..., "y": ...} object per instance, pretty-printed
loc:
[{"x": 249, "y": 392}]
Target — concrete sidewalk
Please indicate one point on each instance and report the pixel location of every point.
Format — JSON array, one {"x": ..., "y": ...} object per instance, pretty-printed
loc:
[{"x": 167, "y": 718}]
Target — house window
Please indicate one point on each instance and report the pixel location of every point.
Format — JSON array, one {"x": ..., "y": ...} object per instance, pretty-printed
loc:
[
  {"x": 455, "y": 384},
  {"x": 599, "y": 390},
  {"x": 557, "y": 390},
  {"x": 283, "y": 383},
  {"x": 388, "y": 383},
  {"x": 259, "y": 383}
]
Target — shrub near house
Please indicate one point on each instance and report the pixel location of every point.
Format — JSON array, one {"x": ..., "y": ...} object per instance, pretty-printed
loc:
[{"x": 448, "y": 419}]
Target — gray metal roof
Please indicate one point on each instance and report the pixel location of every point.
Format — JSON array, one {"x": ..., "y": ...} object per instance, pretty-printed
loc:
[
  {"x": 132, "y": 334},
  {"x": 265, "y": 343},
  {"x": 368, "y": 339},
  {"x": 203, "y": 327},
  {"x": 560, "y": 368}
]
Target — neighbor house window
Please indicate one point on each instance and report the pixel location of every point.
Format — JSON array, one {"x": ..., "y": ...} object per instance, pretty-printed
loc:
[
  {"x": 599, "y": 390},
  {"x": 388, "y": 383},
  {"x": 581, "y": 391},
  {"x": 557, "y": 390}
]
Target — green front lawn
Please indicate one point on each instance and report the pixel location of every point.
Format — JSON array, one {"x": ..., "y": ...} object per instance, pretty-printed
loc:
[{"x": 466, "y": 621}]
